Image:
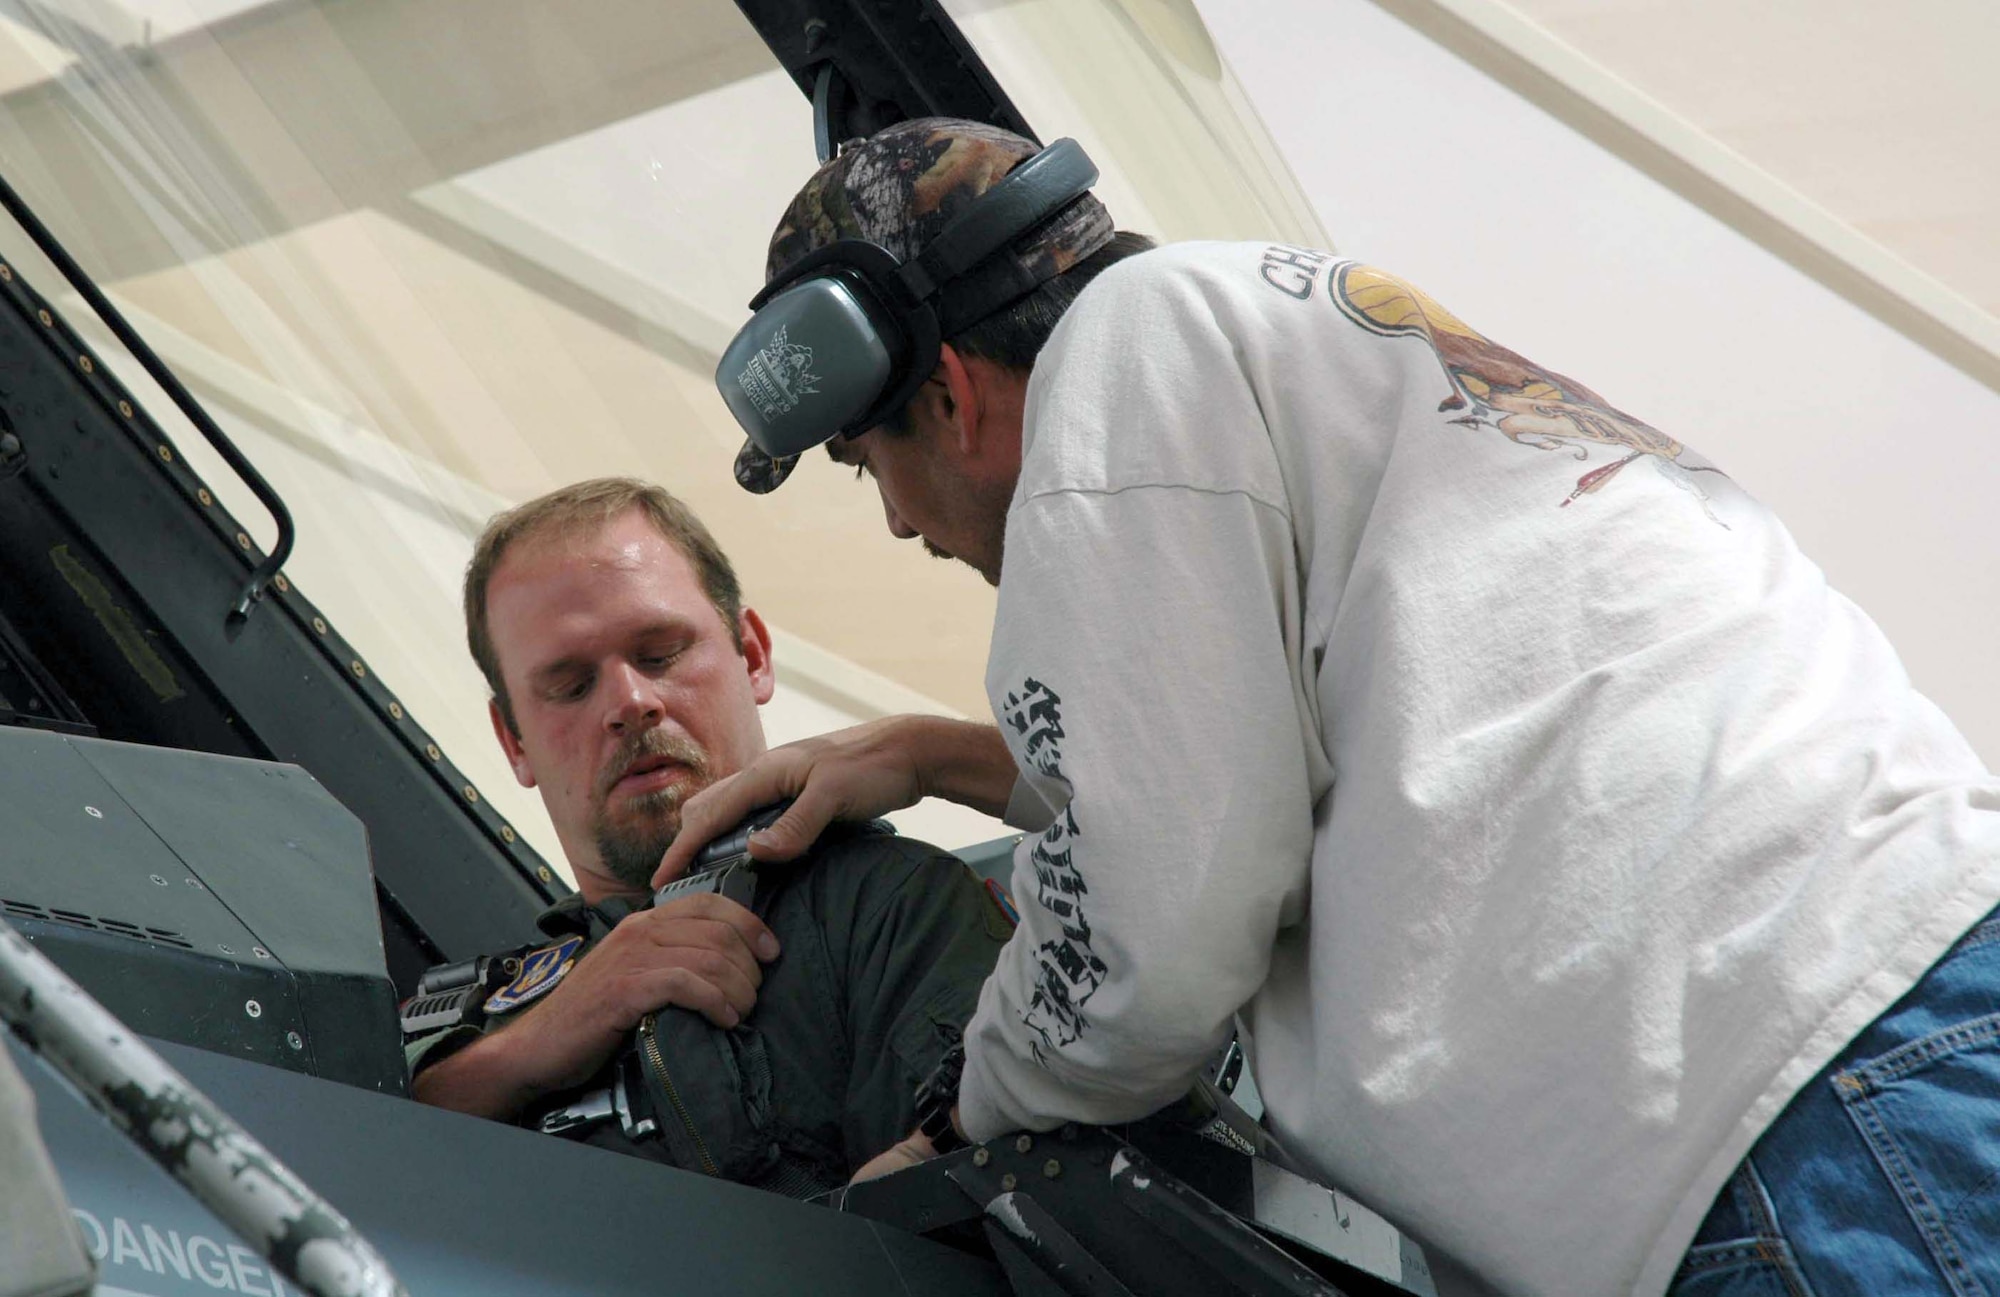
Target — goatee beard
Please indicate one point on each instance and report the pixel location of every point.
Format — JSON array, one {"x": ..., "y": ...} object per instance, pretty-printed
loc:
[{"x": 630, "y": 846}]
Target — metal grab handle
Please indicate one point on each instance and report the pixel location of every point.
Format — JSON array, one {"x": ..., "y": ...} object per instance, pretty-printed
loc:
[
  {"x": 219, "y": 1162},
  {"x": 260, "y": 576}
]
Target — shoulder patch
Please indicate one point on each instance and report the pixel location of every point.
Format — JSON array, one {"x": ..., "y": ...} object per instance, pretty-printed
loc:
[
  {"x": 1003, "y": 902},
  {"x": 540, "y": 971}
]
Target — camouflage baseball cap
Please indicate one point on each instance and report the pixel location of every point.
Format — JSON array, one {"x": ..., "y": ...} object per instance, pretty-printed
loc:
[{"x": 899, "y": 188}]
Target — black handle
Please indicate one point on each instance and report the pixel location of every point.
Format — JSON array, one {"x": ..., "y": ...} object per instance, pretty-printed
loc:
[{"x": 260, "y": 576}]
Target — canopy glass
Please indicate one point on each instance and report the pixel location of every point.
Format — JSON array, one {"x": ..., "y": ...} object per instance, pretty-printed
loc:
[{"x": 425, "y": 260}]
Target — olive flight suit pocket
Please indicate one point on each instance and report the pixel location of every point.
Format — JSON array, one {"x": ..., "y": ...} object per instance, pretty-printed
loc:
[{"x": 710, "y": 1095}]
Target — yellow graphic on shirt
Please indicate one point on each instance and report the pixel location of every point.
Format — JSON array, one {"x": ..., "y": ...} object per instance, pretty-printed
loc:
[{"x": 1505, "y": 391}]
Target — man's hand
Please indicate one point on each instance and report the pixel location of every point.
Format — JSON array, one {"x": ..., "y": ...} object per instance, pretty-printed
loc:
[
  {"x": 901, "y": 1156},
  {"x": 703, "y": 952},
  {"x": 853, "y": 774}
]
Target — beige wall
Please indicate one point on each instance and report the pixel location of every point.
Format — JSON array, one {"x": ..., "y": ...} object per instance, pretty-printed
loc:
[{"x": 1882, "y": 458}]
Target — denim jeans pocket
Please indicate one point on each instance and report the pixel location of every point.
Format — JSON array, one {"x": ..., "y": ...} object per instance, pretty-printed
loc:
[
  {"x": 1749, "y": 1267},
  {"x": 1739, "y": 1251},
  {"x": 1929, "y": 1111}
]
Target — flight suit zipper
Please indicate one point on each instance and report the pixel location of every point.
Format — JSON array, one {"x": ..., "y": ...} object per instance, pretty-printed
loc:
[{"x": 649, "y": 1048}]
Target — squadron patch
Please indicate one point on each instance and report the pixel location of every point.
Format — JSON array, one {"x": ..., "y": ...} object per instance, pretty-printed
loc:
[
  {"x": 1003, "y": 902},
  {"x": 540, "y": 971}
]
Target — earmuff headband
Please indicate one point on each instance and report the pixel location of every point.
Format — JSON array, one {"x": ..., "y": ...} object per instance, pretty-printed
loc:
[{"x": 1030, "y": 194}]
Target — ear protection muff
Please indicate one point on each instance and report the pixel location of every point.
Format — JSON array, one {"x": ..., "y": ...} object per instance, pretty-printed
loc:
[{"x": 845, "y": 336}]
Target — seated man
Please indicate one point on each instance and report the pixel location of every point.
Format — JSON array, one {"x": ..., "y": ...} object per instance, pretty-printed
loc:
[{"x": 626, "y": 675}]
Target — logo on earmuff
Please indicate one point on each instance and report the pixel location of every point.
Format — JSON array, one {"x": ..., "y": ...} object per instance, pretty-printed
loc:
[{"x": 779, "y": 376}]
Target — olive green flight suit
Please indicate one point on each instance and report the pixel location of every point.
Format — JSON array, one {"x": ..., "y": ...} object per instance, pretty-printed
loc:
[{"x": 886, "y": 942}]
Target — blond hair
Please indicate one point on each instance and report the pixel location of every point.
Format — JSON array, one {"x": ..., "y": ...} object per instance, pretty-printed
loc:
[{"x": 582, "y": 508}]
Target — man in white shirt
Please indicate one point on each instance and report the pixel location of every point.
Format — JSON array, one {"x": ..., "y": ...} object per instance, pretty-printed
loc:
[{"x": 1554, "y": 831}]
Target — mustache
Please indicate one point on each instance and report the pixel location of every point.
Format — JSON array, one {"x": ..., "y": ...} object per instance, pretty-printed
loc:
[{"x": 647, "y": 744}]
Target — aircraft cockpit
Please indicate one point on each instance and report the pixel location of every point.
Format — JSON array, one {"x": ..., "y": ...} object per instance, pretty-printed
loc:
[{"x": 293, "y": 296}]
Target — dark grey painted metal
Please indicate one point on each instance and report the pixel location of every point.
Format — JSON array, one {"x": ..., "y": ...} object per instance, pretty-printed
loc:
[
  {"x": 469, "y": 1208},
  {"x": 29, "y": 695},
  {"x": 180, "y": 888},
  {"x": 1167, "y": 1206},
  {"x": 114, "y": 558},
  {"x": 1256, "y": 1265},
  {"x": 896, "y": 59},
  {"x": 1070, "y": 1176},
  {"x": 183, "y": 1132},
  {"x": 288, "y": 860},
  {"x": 52, "y": 248},
  {"x": 1053, "y": 1249}
]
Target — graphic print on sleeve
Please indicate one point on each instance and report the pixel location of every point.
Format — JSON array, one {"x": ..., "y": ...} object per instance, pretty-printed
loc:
[
  {"x": 1509, "y": 393},
  {"x": 1069, "y": 972}
]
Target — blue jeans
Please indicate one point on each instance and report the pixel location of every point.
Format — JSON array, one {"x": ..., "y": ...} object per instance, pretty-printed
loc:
[{"x": 1883, "y": 1175}]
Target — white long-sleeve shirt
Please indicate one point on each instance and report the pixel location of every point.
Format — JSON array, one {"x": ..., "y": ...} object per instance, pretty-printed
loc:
[{"x": 1546, "y": 815}]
